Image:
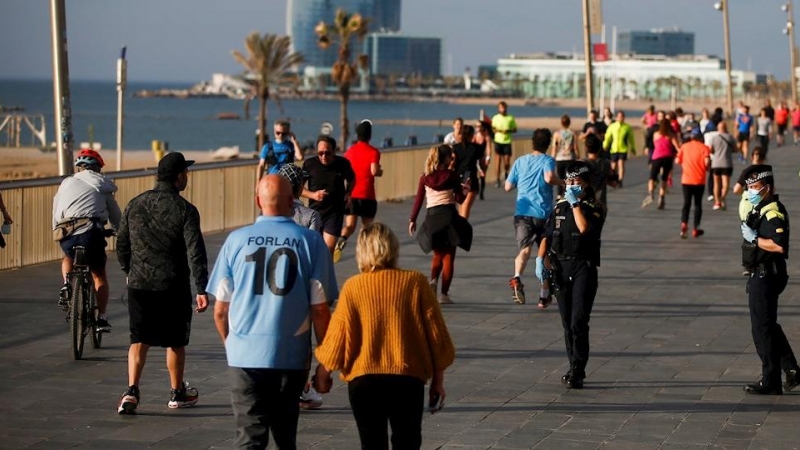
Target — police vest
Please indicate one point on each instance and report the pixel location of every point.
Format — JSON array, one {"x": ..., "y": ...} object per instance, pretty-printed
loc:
[
  {"x": 568, "y": 242},
  {"x": 752, "y": 255}
]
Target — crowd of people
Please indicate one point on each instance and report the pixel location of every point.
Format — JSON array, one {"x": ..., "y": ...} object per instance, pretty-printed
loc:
[{"x": 273, "y": 284}]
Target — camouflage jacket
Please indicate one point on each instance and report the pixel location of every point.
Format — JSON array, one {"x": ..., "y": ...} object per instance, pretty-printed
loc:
[{"x": 159, "y": 239}]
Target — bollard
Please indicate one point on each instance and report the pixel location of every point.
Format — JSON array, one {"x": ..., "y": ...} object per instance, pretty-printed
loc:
[{"x": 158, "y": 150}]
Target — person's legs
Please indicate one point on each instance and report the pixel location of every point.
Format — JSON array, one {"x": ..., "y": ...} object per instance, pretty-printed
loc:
[
  {"x": 687, "y": 202},
  {"x": 507, "y": 161},
  {"x": 499, "y": 156},
  {"x": 330, "y": 241},
  {"x": 251, "y": 390},
  {"x": 697, "y": 193},
  {"x": 521, "y": 261},
  {"x": 763, "y": 318},
  {"x": 725, "y": 183},
  {"x": 370, "y": 410},
  {"x": 350, "y": 222},
  {"x": 101, "y": 288},
  {"x": 717, "y": 192},
  {"x": 584, "y": 289},
  {"x": 436, "y": 263},
  {"x": 137, "y": 355},
  {"x": 405, "y": 414},
  {"x": 621, "y": 170},
  {"x": 66, "y": 267},
  {"x": 466, "y": 207},
  {"x": 176, "y": 361},
  {"x": 448, "y": 269},
  {"x": 565, "y": 307},
  {"x": 285, "y": 410}
]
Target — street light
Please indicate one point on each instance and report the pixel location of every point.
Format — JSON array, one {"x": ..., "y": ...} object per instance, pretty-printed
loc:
[
  {"x": 722, "y": 6},
  {"x": 789, "y": 31}
]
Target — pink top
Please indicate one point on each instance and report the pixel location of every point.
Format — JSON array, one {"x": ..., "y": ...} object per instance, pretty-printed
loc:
[{"x": 663, "y": 148}]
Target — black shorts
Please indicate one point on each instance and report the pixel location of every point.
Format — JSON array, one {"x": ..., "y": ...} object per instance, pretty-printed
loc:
[
  {"x": 722, "y": 171},
  {"x": 502, "y": 149},
  {"x": 363, "y": 207},
  {"x": 662, "y": 166},
  {"x": 160, "y": 318},
  {"x": 781, "y": 129},
  {"x": 619, "y": 156},
  {"x": 95, "y": 243},
  {"x": 529, "y": 230},
  {"x": 742, "y": 136},
  {"x": 331, "y": 223}
]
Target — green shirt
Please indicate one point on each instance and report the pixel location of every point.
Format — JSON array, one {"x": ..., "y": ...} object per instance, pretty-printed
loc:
[
  {"x": 501, "y": 124},
  {"x": 619, "y": 138}
]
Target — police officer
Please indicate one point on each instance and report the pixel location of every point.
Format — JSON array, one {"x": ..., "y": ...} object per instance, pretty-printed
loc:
[
  {"x": 572, "y": 246},
  {"x": 764, "y": 253}
]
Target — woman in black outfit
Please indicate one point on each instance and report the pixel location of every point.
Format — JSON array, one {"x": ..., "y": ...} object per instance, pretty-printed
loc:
[
  {"x": 466, "y": 166},
  {"x": 483, "y": 140}
]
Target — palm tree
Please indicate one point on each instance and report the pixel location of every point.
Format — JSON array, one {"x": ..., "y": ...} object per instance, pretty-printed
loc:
[
  {"x": 268, "y": 58},
  {"x": 342, "y": 31}
]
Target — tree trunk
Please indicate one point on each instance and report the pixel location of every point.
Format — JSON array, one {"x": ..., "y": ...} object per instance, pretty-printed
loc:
[
  {"x": 344, "y": 93},
  {"x": 262, "y": 119}
]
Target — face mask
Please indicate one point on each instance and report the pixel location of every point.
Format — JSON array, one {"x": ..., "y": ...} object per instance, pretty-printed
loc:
[
  {"x": 576, "y": 189},
  {"x": 754, "y": 196}
]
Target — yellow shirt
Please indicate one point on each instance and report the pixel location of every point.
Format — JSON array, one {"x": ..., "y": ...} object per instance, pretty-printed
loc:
[
  {"x": 501, "y": 124},
  {"x": 387, "y": 322},
  {"x": 619, "y": 139}
]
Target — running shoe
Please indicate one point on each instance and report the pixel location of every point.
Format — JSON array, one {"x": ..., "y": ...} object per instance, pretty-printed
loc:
[
  {"x": 63, "y": 297},
  {"x": 183, "y": 398},
  {"x": 517, "y": 292},
  {"x": 792, "y": 380},
  {"x": 648, "y": 200},
  {"x": 103, "y": 325},
  {"x": 337, "y": 250},
  {"x": 697, "y": 232},
  {"x": 710, "y": 198},
  {"x": 716, "y": 207},
  {"x": 310, "y": 398},
  {"x": 661, "y": 202},
  {"x": 129, "y": 402},
  {"x": 684, "y": 230},
  {"x": 575, "y": 382},
  {"x": 545, "y": 302},
  {"x": 434, "y": 285},
  {"x": 565, "y": 378},
  {"x": 497, "y": 184},
  {"x": 445, "y": 299}
]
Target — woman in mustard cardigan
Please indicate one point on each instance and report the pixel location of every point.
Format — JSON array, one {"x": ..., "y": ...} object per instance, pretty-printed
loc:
[{"x": 388, "y": 338}]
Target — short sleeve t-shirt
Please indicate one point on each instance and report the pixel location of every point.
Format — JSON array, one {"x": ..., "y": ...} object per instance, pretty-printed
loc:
[
  {"x": 599, "y": 128},
  {"x": 502, "y": 123},
  {"x": 723, "y": 145},
  {"x": 271, "y": 273},
  {"x": 361, "y": 156},
  {"x": 693, "y": 158},
  {"x": 744, "y": 123},
  {"x": 781, "y": 116},
  {"x": 534, "y": 195},
  {"x": 284, "y": 154},
  {"x": 331, "y": 178}
]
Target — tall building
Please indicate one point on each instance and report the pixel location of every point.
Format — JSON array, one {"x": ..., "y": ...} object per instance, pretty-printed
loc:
[
  {"x": 395, "y": 54},
  {"x": 656, "y": 42},
  {"x": 304, "y": 15}
]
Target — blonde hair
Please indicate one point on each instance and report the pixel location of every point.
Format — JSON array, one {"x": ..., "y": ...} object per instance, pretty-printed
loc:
[
  {"x": 435, "y": 156},
  {"x": 377, "y": 248}
]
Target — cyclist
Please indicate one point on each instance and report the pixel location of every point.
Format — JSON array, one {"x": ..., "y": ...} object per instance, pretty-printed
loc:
[{"x": 82, "y": 206}]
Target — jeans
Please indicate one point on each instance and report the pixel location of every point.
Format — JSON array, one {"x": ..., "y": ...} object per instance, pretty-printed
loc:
[
  {"x": 266, "y": 400},
  {"x": 394, "y": 399}
]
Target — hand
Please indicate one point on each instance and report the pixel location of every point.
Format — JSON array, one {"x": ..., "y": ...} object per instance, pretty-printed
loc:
[
  {"x": 412, "y": 227},
  {"x": 540, "y": 268},
  {"x": 570, "y": 196},
  {"x": 436, "y": 389},
  {"x": 322, "y": 380},
  {"x": 465, "y": 187},
  {"x": 481, "y": 173},
  {"x": 320, "y": 195},
  {"x": 7, "y": 217},
  {"x": 202, "y": 302},
  {"x": 749, "y": 234}
]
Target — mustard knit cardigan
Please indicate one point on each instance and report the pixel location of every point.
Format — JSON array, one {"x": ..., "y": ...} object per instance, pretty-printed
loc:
[{"x": 387, "y": 322}]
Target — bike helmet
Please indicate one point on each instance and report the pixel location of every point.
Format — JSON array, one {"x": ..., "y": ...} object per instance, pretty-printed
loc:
[
  {"x": 89, "y": 157},
  {"x": 296, "y": 176}
]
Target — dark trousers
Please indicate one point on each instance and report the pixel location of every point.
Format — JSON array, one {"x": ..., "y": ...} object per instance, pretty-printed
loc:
[
  {"x": 394, "y": 399},
  {"x": 265, "y": 400},
  {"x": 579, "y": 287},
  {"x": 764, "y": 141},
  {"x": 771, "y": 344},
  {"x": 692, "y": 192}
]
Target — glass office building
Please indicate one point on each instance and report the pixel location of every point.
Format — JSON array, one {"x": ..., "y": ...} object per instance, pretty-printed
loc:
[
  {"x": 304, "y": 15},
  {"x": 394, "y": 54},
  {"x": 656, "y": 42}
]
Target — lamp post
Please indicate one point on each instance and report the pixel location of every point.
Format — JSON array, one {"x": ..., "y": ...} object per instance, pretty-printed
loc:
[
  {"x": 587, "y": 52},
  {"x": 789, "y": 31},
  {"x": 122, "y": 80},
  {"x": 722, "y": 6},
  {"x": 61, "y": 97}
]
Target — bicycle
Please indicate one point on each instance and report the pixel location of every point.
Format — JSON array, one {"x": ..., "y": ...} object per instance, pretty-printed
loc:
[{"x": 82, "y": 309}]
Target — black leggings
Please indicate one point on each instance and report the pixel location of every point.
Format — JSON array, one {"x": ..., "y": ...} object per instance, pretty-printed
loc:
[
  {"x": 396, "y": 400},
  {"x": 661, "y": 166},
  {"x": 693, "y": 191}
]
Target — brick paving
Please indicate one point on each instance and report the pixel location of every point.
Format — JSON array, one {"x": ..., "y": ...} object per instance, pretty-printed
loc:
[{"x": 670, "y": 335}]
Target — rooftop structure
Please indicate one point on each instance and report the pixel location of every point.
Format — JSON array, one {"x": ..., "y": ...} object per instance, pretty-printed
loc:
[
  {"x": 656, "y": 42},
  {"x": 395, "y": 54}
]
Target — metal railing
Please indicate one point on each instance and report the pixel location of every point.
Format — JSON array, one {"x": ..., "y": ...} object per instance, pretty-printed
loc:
[{"x": 221, "y": 191}]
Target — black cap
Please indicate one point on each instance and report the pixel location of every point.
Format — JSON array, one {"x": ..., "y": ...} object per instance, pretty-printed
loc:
[
  {"x": 364, "y": 131},
  {"x": 578, "y": 169},
  {"x": 172, "y": 165},
  {"x": 758, "y": 172}
]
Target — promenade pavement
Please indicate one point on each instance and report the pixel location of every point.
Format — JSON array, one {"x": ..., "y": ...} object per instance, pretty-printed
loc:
[{"x": 670, "y": 336}]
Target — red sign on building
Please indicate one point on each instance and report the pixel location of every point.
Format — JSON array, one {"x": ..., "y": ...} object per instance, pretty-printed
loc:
[{"x": 600, "y": 52}]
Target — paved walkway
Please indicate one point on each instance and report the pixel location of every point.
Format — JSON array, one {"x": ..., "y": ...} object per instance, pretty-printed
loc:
[{"x": 671, "y": 349}]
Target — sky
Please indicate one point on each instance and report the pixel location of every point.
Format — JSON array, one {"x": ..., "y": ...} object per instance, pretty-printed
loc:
[{"x": 188, "y": 40}]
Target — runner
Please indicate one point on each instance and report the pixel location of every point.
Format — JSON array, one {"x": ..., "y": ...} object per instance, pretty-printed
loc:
[
  {"x": 619, "y": 141},
  {"x": 366, "y": 163},
  {"x": 283, "y": 150},
  {"x": 650, "y": 117},
  {"x": 534, "y": 176},
  {"x": 483, "y": 139},
  {"x": 467, "y": 156},
  {"x": 601, "y": 174},
  {"x": 744, "y": 123},
  {"x": 723, "y": 145},
  {"x": 693, "y": 157},
  {"x": 764, "y": 129},
  {"x": 443, "y": 229},
  {"x": 564, "y": 150},
  {"x": 781, "y": 121},
  {"x": 594, "y": 126},
  {"x": 665, "y": 145},
  {"x": 504, "y": 126}
]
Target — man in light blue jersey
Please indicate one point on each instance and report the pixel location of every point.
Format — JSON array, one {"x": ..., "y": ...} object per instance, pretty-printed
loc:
[
  {"x": 272, "y": 281},
  {"x": 534, "y": 176}
]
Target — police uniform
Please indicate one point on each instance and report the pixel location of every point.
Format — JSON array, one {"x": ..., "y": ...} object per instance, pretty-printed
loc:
[
  {"x": 768, "y": 278},
  {"x": 574, "y": 257}
]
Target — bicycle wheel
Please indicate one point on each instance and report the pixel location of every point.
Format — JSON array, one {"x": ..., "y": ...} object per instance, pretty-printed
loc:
[
  {"x": 97, "y": 335},
  {"x": 77, "y": 316}
]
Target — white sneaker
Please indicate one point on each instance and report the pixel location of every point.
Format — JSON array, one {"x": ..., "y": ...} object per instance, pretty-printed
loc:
[
  {"x": 434, "y": 285},
  {"x": 710, "y": 198},
  {"x": 310, "y": 399},
  {"x": 444, "y": 299}
]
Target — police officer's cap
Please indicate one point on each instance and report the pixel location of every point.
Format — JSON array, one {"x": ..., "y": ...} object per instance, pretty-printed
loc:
[
  {"x": 758, "y": 172},
  {"x": 578, "y": 169}
]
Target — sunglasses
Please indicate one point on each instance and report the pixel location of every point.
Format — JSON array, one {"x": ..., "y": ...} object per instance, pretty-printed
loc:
[
  {"x": 280, "y": 133},
  {"x": 324, "y": 153}
]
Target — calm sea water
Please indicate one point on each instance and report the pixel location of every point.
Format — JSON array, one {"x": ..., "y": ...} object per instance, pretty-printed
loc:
[{"x": 191, "y": 124}]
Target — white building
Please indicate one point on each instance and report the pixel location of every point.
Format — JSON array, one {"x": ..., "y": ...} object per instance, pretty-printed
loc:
[{"x": 560, "y": 75}]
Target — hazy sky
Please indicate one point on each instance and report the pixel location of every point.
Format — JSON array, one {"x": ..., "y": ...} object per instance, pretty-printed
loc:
[{"x": 188, "y": 40}]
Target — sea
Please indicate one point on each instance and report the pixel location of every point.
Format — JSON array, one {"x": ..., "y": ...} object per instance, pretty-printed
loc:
[{"x": 192, "y": 124}]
